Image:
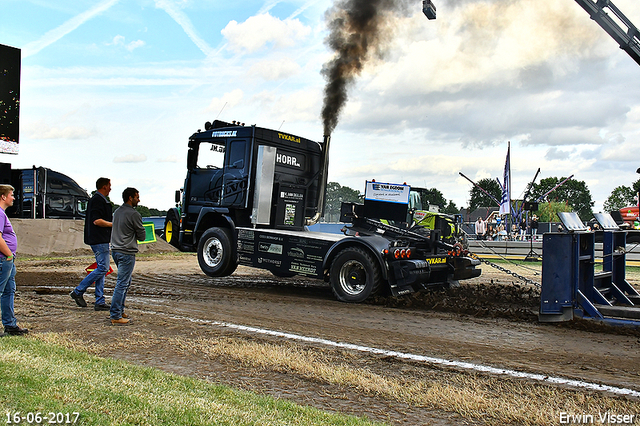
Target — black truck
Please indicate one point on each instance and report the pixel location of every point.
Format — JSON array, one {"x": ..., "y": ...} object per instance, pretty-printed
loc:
[
  {"x": 249, "y": 194},
  {"x": 42, "y": 193}
]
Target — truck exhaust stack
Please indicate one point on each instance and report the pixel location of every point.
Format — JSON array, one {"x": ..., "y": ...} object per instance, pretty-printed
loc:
[{"x": 322, "y": 188}]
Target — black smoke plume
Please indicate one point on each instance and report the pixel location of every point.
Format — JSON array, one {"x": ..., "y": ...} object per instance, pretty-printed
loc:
[{"x": 358, "y": 30}]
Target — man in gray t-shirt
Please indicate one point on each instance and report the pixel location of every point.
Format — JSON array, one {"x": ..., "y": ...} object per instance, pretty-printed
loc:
[{"x": 126, "y": 232}]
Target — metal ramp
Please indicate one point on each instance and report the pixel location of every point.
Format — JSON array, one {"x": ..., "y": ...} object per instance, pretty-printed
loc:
[{"x": 571, "y": 287}]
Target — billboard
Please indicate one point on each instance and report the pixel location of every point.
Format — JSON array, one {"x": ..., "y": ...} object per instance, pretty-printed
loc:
[
  {"x": 9, "y": 99},
  {"x": 386, "y": 201}
]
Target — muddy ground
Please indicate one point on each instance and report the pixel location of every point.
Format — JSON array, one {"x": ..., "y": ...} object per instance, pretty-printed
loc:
[{"x": 490, "y": 320}]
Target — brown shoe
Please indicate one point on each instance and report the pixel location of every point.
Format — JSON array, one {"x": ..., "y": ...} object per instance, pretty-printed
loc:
[
  {"x": 121, "y": 321},
  {"x": 123, "y": 315}
]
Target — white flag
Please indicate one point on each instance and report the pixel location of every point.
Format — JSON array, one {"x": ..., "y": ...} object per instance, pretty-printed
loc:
[{"x": 505, "y": 202}]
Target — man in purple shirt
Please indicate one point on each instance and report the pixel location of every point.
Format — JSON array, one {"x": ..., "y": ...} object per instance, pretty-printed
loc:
[{"x": 8, "y": 247}]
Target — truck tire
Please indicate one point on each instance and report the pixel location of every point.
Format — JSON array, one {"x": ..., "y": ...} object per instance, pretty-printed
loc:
[
  {"x": 172, "y": 229},
  {"x": 355, "y": 275},
  {"x": 216, "y": 253}
]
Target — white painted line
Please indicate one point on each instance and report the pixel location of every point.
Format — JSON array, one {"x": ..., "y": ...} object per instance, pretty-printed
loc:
[{"x": 413, "y": 357}]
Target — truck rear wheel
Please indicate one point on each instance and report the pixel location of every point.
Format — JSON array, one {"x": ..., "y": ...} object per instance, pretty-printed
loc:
[
  {"x": 355, "y": 275},
  {"x": 216, "y": 254},
  {"x": 172, "y": 229}
]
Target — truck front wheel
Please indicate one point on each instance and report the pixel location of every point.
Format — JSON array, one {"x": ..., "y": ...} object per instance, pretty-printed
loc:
[
  {"x": 172, "y": 229},
  {"x": 355, "y": 275},
  {"x": 216, "y": 255}
]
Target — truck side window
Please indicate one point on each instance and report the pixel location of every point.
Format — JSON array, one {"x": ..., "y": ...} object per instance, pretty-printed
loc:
[
  {"x": 236, "y": 154},
  {"x": 55, "y": 183},
  {"x": 211, "y": 156}
]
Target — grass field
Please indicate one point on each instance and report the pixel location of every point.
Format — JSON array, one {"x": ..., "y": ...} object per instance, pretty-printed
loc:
[{"x": 40, "y": 379}]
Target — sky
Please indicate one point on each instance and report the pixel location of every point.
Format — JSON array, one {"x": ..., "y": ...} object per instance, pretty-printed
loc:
[{"x": 115, "y": 88}]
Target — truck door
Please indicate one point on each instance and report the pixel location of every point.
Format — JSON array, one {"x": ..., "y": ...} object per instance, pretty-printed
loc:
[{"x": 236, "y": 173}]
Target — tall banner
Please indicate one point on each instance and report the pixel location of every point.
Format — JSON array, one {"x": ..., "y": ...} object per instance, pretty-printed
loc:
[
  {"x": 505, "y": 202},
  {"x": 9, "y": 99}
]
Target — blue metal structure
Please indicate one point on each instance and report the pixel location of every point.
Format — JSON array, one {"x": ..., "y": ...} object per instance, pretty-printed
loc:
[{"x": 571, "y": 287}]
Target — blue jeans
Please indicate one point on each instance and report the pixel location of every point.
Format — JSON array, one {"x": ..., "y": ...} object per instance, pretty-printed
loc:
[
  {"x": 125, "y": 264},
  {"x": 7, "y": 291},
  {"x": 101, "y": 252}
]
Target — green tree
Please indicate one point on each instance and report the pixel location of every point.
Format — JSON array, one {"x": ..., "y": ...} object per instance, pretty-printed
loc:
[
  {"x": 156, "y": 212},
  {"x": 434, "y": 197},
  {"x": 548, "y": 212},
  {"x": 574, "y": 192},
  {"x": 620, "y": 197},
  {"x": 336, "y": 195},
  {"x": 144, "y": 211},
  {"x": 479, "y": 199},
  {"x": 451, "y": 208}
]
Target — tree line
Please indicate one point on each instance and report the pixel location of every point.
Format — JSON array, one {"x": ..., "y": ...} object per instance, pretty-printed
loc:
[
  {"x": 573, "y": 195},
  {"x": 143, "y": 210}
]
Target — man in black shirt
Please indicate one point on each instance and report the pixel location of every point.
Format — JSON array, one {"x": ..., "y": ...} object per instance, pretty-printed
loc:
[{"x": 97, "y": 234}]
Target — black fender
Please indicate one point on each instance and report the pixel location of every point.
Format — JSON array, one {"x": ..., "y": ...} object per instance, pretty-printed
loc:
[
  {"x": 375, "y": 244},
  {"x": 174, "y": 210},
  {"x": 213, "y": 216}
]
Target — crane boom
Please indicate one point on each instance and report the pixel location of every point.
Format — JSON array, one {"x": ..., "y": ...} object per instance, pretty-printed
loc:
[{"x": 628, "y": 39}]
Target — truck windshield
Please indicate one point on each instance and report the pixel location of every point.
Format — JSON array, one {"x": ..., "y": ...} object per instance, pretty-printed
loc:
[
  {"x": 415, "y": 201},
  {"x": 82, "y": 206},
  {"x": 211, "y": 156}
]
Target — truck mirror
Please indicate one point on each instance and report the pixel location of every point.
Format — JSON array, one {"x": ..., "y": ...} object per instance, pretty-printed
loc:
[
  {"x": 178, "y": 196},
  {"x": 192, "y": 159}
]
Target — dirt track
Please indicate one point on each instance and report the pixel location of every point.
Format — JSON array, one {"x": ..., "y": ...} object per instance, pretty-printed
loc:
[{"x": 484, "y": 322}]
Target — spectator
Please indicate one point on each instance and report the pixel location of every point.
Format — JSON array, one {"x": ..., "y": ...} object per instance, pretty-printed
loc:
[
  {"x": 481, "y": 229},
  {"x": 523, "y": 228},
  {"x": 491, "y": 233},
  {"x": 97, "y": 234},
  {"x": 534, "y": 226},
  {"x": 8, "y": 248},
  {"x": 127, "y": 230}
]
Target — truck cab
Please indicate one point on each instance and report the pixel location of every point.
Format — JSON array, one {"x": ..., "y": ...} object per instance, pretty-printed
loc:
[
  {"x": 42, "y": 193},
  {"x": 245, "y": 176}
]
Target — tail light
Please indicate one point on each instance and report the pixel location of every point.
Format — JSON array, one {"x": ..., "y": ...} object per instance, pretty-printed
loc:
[{"x": 404, "y": 253}]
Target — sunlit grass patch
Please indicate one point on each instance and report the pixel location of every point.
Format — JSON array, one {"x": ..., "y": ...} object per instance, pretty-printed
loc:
[{"x": 495, "y": 400}]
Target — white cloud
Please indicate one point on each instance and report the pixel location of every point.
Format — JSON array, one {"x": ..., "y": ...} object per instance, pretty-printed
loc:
[
  {"x": 131, "y": 158},
  {"x": 261, "y": 30},
  {"x": 117, "y": 40},
  {"x": 276, "y": 107},
  {"x": 169, "y": 159},
  {"x": 67, "y": 132},
  {"x": 134, "y": 45},
  {"x": 228, "y": 100},
  {"x": 272, "y": 70},
  {"x": 120, "y": 41}
]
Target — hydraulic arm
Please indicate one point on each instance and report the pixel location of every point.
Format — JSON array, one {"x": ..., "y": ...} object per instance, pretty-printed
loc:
[{"x": 626, "y": 35}]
